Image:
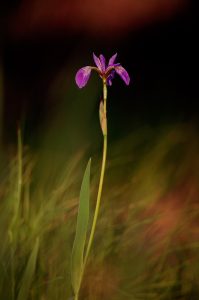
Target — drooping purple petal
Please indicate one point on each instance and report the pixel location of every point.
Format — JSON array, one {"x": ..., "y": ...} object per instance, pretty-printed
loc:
[
  {"x": 123, "y": 74},
  {"x": 82, "y": 76},
  {"x": 103, "y": 62},
  {"x": 110, "y": 78},
  {"x": 97, "y": 62},
  {"x": 109, "y": 81},
  {"x": 112, "y": 60}
]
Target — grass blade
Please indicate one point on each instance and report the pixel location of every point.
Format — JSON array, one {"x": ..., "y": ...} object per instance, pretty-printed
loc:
[
  {"x": 81, "y": 231},
  {"x": 28, "y": 274}
]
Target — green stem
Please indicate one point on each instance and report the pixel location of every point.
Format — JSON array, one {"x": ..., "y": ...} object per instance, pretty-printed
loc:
[
  {"x": 100, "y": 183},
  {"x": 96, "y": 213},
  {"x": 76, "y": 297}
]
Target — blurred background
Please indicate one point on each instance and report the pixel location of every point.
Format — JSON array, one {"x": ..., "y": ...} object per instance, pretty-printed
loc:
[
  {"x": 150, "y": 211},
  {"x": 43, "y": 43}
]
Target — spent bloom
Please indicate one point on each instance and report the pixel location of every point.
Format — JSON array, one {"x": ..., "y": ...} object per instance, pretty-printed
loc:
[{"x": 106, "y": 72}]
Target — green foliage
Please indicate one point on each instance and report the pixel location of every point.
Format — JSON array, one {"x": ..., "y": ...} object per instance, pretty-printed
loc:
[
  {"x": 146, "y": 243},
  {"x": 81, "y": 231},
  {"x": 29, "y": 273}
]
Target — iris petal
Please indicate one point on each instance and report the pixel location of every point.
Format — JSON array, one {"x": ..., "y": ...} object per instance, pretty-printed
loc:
[
  {"x": 103, "y": 62},
  {"x": 123, "y": 74},
  {"x": 109, "y": 81},
  {"x": 82, "y": 76},
  {"x": 112, "y": 59},
  {"x": 97, "y": 62},
  {"x": 110, "y": 77}
]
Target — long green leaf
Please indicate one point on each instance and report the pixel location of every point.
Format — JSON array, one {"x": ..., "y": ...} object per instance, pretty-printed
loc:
[
  {"x": 81, "y": 231},
  {"x": 29, "y": 273}
]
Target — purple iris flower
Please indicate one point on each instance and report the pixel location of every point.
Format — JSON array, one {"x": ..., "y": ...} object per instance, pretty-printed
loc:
[{"x": 107, "y": 73}]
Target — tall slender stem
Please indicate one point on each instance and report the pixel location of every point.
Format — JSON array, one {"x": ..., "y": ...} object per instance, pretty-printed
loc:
[
  {"x": 96, "y": 213},
  {"x": 100, "y": 182}
]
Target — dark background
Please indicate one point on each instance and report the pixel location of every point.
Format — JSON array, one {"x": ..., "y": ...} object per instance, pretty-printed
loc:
[{"x": 159, "y": 50}]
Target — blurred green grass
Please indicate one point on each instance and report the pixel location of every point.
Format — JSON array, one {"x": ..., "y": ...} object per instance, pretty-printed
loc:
[
  {"x": 147, "y": 238},
  {"x": 146, "y": 244}
]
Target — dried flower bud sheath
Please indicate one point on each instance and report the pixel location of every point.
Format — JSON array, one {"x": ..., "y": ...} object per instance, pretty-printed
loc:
[{"x": 103, "y": 120}]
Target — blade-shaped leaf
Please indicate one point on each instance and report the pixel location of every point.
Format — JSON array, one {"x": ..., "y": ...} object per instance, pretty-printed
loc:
[
  {"x": 29, "y": 273},
  {"x": 81, "y": 231}
]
